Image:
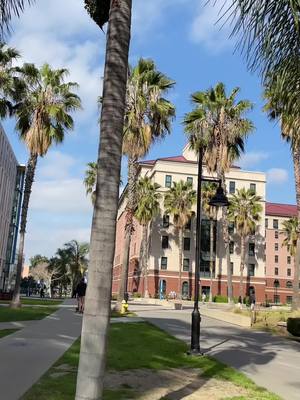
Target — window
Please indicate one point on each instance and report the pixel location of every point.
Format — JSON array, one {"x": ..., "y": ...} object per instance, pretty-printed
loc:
[
  {"x": 289, "y": 284},
  {"x": 275, "y": 223},
  {"x": 251, "y": 269},
  {"x": 289, "y": 299},
  {"x": 276, "y": 283},
  {"x": 253, "y": 187},
  {"x": 251, "y": 249},
  {"x": 276, "y": 259},
  {"x": 231, "y": 187},
  {"x": 186, "y": 264},
  {"x": 231, "y": 268},
  {"x": 266, "y": 223},
  {"x": 288, "y": 259},
  {"x": 168, "y": 181},
  {"x": 165, "y": 242},
  {"x": 276, "y": 234},
  {"x": 189, "y": 179},
  {"x": 186, "y": 244},
  {"x": 188, "y": 225},
  {"x": 276, "y": 298},
  {"x": 276, "y": 271},
  {"x": 231, "y": 228},
  {"x": 166, "y": 221},
  {"x": 276, "y": 246},
  {"x": 185, "y": 290},
  {"x": 231, "y": 247},
  {"x": 289, "y": 272},
  {"x": 164, "y": 263}
]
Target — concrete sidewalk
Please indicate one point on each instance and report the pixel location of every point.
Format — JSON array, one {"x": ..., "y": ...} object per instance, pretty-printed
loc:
[
  {"x": 26, "y": 355},
  {"x": 15, "y": 325},
  {"x": 271, "y": 361}
]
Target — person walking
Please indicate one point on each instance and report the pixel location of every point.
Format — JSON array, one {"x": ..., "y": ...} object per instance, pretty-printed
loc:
[
  {"x": 203, "y": 297},
  {"x": 80, "y": 290}
]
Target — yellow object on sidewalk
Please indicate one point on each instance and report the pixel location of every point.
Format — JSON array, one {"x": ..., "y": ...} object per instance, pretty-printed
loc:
[{"x": 124, "y": 307}]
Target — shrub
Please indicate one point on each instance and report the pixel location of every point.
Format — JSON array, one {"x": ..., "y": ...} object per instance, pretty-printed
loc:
[
  {"x": 220, "y": 299},
  {"x": 136, "y": 295},
  {"x": 293, "y": 326}
]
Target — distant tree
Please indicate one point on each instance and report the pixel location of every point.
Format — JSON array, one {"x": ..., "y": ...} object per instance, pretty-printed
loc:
[
  {"x": 245, "y": 212},
  {"x": 37, "y": 259},
  {"x": 147, "y": 209},
  {"x": 179, "y": 201},
  {"x": 208, "y": 191},
  {"x": 42, "y": 119}
]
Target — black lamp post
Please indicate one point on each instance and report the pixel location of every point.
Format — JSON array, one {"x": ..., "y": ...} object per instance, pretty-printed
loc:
[{"x": 218, "y": 200}]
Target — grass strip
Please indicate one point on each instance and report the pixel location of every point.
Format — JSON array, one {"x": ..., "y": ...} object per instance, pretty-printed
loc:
[
  {"x": 8, "y": 314},
  {"x": 153, "y": 349}
]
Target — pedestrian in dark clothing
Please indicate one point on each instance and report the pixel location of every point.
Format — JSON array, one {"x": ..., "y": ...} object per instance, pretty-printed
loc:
[{"x": 80, "y": 290}]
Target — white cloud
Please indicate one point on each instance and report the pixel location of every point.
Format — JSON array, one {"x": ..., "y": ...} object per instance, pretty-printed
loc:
[
  {"x": 62, "y": 34},
  {"x": 56, "y": 165},
  {"x": 252, "y": 158},
  {"x": 47, "y": 240},
  {"x": 277, "y": 176},
  {"x": 207, "y": 28}
]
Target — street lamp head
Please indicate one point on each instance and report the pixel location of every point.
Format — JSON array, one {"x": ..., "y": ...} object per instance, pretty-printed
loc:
[{"x": 219, "y": 199}]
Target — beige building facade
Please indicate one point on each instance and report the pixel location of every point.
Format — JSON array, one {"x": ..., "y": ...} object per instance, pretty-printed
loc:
[{"x": 163, "y": 262}]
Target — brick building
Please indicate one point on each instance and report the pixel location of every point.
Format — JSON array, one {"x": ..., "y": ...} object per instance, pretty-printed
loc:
[
  {"x": 279, "y": 263},
  {"x": 164, "y": 253}
]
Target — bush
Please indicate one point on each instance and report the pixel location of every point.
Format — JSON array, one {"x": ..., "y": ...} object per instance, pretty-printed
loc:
[
  {"x": 293, "y": 326},
  {"x": 136, "y": 295},
  {"x": 220, "y": 299}
]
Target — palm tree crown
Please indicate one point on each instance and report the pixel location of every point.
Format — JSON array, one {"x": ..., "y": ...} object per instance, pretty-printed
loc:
[
  {"x": 179, "y": 201},
  {"x": 208, "y": 192},
  {"x": 148, "y": 200},
  {"x": 245, "y": 211},
  {"x": 148, "y": 113},
  {"x": 90, "y": 179},
  {"x": 44, "y": 114},
  {"x": 291, "y": 235},
  {"x": 218, "y": 126}
]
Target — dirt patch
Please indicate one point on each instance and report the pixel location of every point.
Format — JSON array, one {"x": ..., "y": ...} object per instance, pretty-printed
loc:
[{"x": 173, "y": 384}]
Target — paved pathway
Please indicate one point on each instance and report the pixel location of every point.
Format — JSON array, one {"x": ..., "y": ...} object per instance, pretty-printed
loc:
[
  {"x": 15, "y": 325},
  {"x": 271, "y": 361},
  {"x": 26, "y": 355}
]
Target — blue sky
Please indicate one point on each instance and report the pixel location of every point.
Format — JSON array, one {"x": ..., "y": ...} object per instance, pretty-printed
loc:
[{"x": 187, "y": 45}]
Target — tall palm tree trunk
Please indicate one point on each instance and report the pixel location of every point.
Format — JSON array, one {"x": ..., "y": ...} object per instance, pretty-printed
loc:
[
  {"x": 30, "y": 171},
  {"x": 226, "y": 243},
  {"x": 95, "y": 325},
  {"x": 130, "y": 209},
  {"x": 296, "y": 294},
  {"x": 211, "y": 261},
  {"x": 145, "y": 259},
  {"x": 180, "y": 238},
  {"x": 242, "y": 265}
]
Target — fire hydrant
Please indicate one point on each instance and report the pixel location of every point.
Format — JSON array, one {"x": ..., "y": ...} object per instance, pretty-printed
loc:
[{"x": 124, "y": 307}]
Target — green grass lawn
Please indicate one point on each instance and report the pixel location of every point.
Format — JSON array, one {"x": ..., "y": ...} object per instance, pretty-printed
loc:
[
  {"x": 117, "y": 314},
  {"x": 6, "y": 332},
  {"x": 36, "y": 302},
  {"x": 24, "y": 313},
  {"x": 153, "y": 349}
]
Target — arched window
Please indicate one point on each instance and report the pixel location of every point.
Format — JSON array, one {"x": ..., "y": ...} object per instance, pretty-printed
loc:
[
  {"x": 289, "y": 284},
  {"x": 276, "y": 283},
  {"x": 185, "y": 290}
]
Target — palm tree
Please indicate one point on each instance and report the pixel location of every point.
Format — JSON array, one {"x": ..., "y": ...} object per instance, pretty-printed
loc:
[
  {"x": 43, "y": 117},
  {"x": 90, "y": 180},
  {"x": 208, "y": 191},
  {"x": 291, "y": 231},
  {"x": 97, "y": 307},
  {"x": 147, "y": 209},
  {"x": 268, "y": 34},
  {"x": 218, "y": 125},
  {"x": 8, "y": 9},
  {"x": 147, "y": 118},
  {"x": 77, "y": 261},
  {"x": 245, "y": 212},
  {"x": 179, "y": 201},
  {"x": 276, "y": 109}
]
